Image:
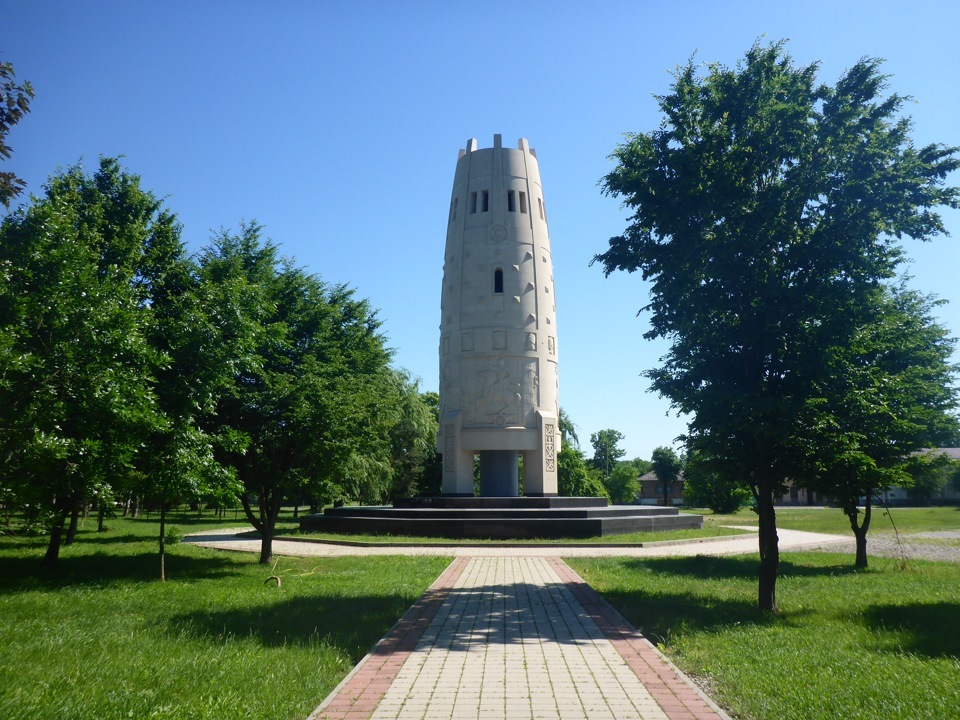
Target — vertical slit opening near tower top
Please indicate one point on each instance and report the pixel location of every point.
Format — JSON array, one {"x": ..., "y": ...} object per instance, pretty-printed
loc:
[
  {"x": 511, "y": 201},
  {"x": 523, "y": 202},
  {"x": 486, "y": 201},
  {"x": 473, "y": 203},
  {"x": 498, "y": 281}
]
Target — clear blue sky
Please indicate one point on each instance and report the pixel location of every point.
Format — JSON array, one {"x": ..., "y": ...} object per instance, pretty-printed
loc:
[{"x": 337, "y": 126}]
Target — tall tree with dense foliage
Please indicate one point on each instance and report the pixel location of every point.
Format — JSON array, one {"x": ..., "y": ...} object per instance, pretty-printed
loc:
[
  {"x": 76, "y": 365},
  {"x": 14, "y": 104},
  {"x": 606, "y": 450},
  {"x": 575, "y": 477},
  {"x": 622, "y": 484},
  {"x": 667, "y": 467},
  {"x": 312, "y": 404},
  {"x": 765, "y": 209},
  {"x": 702, "y": 487},
  {"x": 890, "y": 395},
  {"x": 200, "y": 348},
  {"x": 413, "y": 437}
]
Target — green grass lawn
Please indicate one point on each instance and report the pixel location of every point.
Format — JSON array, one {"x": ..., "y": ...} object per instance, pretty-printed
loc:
[
  {"x": 882, "y": 643},
  {"x": 101, "y": 637},
  {"x": 831, "y": 520}
]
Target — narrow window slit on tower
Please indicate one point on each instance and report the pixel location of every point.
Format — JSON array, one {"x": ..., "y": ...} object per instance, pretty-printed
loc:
[
  {"x": 473, "y": 203},
  {"x": 498, "y": 281},
  {"x": 453, "y": 215},
  {"x": 523, "y": 202},
  {"x": 540, "y": 205},
  {"x": 511, "y": 201},
  {"x": 486, "y": 201}
]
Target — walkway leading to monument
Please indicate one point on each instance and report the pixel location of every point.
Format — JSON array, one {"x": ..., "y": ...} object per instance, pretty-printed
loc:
[
  {"x": 512, "y": 633},
  {"x": 514, "y": 638}
]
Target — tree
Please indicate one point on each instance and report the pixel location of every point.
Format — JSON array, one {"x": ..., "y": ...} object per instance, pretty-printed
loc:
[
  {"x": 574, "y": 477},
  {"x": 606, "y": 450},
  {"x": 200, "y": 348},
  {"x": 890, "y": 395},
  {"x": 76, "y": 366},
  {"x": 621, "y": 484},
  {"x": 431, "y": 479},
  {"x": 704, "y": 488},
  {"x": 568, "y": 430},
  {"x": 667, "y": 467},
  {"x": 14, "y": 104},
  {"x": 312, "y": 402},
  {"x": 765, "y": 209},
  {"x": 413, "y": 437}
]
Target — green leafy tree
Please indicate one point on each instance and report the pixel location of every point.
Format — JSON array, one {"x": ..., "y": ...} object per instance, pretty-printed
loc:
[
  {"x": 890, "y": 394},
  {"x": 14, "y": 104},
  {"x": 311, "y": 404},
  {"x": 704, "y": 488},
  {"x": 606, "y": 450},
  {"x": 413, "y": 437},
  {"x": 201, "y": 348},
  {"x": 568, "y": 430},
  {"x": 641, "y": 466},
  {"x": 622, "y": 484},
  {"x": 575, "y": 478},
  {"x": 667, "y": 467},
  {"x": 765, "y": 208},
  {"x": 431, "y": 479},
  {"x": 76, "y": 395}
]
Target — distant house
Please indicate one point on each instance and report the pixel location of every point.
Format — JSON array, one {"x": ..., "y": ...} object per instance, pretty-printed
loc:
[
  {"x": 651, "y": 490},
  {"x": 800, "y": 496}
]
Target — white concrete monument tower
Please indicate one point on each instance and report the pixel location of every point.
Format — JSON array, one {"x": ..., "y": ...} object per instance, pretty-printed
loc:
[{"x": 498, "y": 328}]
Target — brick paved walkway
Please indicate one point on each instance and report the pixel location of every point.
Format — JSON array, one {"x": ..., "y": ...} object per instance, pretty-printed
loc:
[{"x": 510, "y": 638}]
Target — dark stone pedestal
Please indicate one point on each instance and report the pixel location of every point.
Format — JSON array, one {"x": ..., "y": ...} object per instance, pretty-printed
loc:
[{"x": 499, "y": 518}]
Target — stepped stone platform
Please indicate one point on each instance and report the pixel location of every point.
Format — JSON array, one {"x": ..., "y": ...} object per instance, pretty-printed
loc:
[{"x": 500, "y": 518}]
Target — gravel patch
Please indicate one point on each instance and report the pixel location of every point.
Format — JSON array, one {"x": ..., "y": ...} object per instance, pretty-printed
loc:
[{"x": 886, "y": 546}]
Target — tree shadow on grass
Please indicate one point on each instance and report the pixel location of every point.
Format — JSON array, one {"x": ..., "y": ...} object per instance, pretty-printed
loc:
[
  {"x": 922, "y": 628},
  {"x": 103, "y": 569},
  {"x": 352, "y": 624},
  {"x": 712, "y": 567}
]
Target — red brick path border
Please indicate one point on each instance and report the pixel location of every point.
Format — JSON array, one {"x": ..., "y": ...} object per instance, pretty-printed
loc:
[
  {"x": 359, "y": 694},
  {"x": 673, "y": 692}
]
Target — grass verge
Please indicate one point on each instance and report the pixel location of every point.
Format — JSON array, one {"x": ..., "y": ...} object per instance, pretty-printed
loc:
[
  {"x": 100, "y": 637},
  {"x": 874, "y": 644},
  {"x": 831, "y": 520}
]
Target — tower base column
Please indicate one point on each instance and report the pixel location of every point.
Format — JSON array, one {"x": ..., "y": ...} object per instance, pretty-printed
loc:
[
  {"x": 498, "y": 473},
  {"x": 540, "y": 466}
]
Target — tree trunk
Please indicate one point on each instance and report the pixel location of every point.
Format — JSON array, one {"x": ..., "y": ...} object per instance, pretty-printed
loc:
[
  {"x": 56, "y": 537},
  {"x": 163, "y": 542},
  {"x": 101, "y": 511},
  {"x": 74, "y": 521},
  {"x": 134, "y": 507},
  {"x": 860, "y": 530},
  {"x": 769, "y": 547},
  {"x": 271, "y": 511}
]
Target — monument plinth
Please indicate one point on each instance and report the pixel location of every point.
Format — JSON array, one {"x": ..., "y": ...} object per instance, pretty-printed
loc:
[{"x": 498, "y": 328}]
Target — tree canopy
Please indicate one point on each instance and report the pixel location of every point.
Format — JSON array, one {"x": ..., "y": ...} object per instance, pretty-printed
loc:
[
  {"x": 606, "y": 450},
  {"x": 14, "y": 104},
  {"x": 889, "y": 395},
  {"x": 765, "y": 210}
]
